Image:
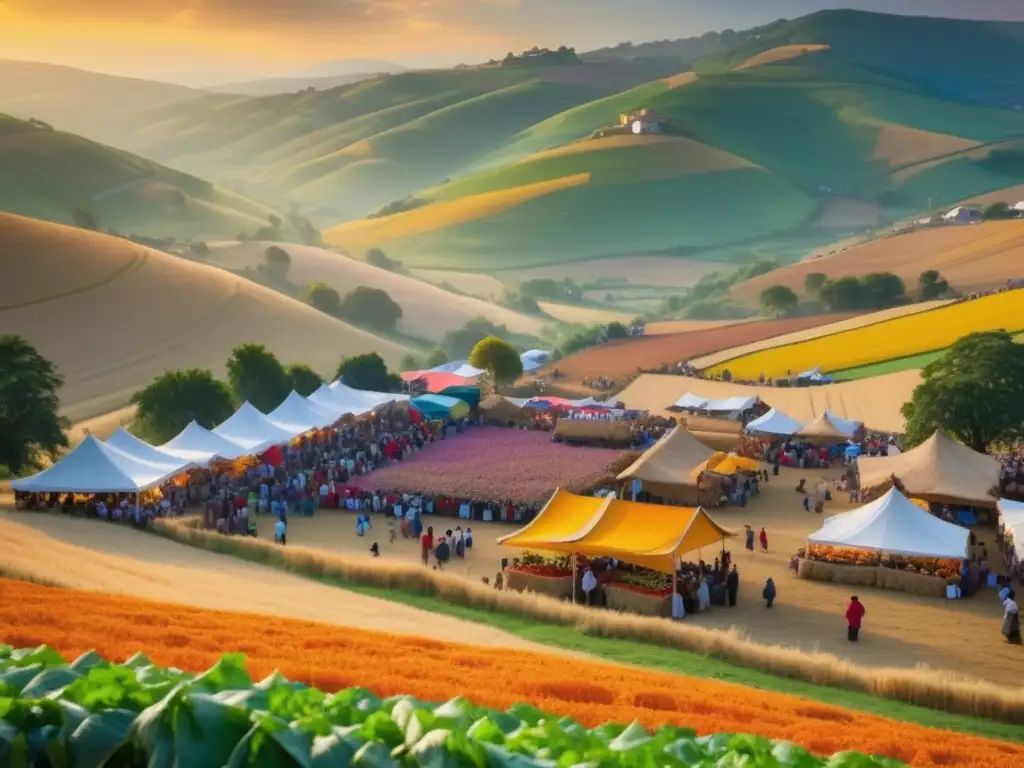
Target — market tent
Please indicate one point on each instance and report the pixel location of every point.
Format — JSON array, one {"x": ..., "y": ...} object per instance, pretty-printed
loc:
[
  {"x": 139, "y": 449},
  {"x": 435, "y": 382},
  {"x": 775, "y": 422},
  {"x": 648, "y": 535},
  {"x": 340, "y": 403},
  {"x": 496, "y": 408},
  {"x": 1012, "y": 513},
  {"x": 822, "y": 430},
  {"x": 470, "y": 395},
  {"x": 725, "y": 405},
  {"x": 940, "y": 470},
  {"x": 439, "y": 407},
  {"x": 298, "y": 415},
  {"x": 94, "y": 467},
  {"x": 339, "y": 388},
  {"x": 564, "y": 515},
  {"x": 196, "y": 443},
  {"x": 896, "y": 525},
  {"x": 847, "y": 427},
  {"x": 250, "y": 428},
  {"x": 667, "y": 465},
  {"x": 722, "y": 463}
]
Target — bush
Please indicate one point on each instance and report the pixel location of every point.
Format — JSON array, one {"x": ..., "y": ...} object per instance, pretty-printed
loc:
[
  {"x": 370, "y": 307},
  {"x": 375, "y": 257},
  {"x": 325, "y": 298},
  {"x": 276, "y": 262}
]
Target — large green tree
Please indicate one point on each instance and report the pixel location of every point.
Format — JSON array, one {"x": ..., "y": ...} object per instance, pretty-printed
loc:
[
  {"x": 170, "y": 402},
  {"x": 499, "y": 358},
  {"x": 932, "y": 284},
  {"x": 779, "y": 299},
  {"x": 30, "y": 421},
  {"x": 305, "y": 380},
  {"x": 371, "y": 308},
  {"x": 325, "y": 298},
  {"x": 974, "y": 393},
  {"x": 256, "y": 375},
  {"x": 368, "y": 372}
]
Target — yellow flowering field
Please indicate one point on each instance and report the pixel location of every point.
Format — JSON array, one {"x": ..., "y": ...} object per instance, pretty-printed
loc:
[{"x": 888, "y": 340}]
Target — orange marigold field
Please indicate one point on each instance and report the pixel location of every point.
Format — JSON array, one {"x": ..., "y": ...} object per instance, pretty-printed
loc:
[{"x": 332, "y": 658}]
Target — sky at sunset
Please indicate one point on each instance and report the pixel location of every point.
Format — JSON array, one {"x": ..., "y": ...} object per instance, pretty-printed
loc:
[{"x": 189, "y": 39}]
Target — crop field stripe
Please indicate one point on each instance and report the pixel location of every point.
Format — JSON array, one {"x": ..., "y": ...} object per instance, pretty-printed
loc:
[{"x": 333, "y": 658}]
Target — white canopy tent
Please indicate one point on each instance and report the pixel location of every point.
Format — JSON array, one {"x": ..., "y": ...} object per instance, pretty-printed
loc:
[
  {"x": 299, "y": 415},
  {"x": 94, "y": 467},
  {"x": 895, "y": 525},
  {"x": 128, "y": 443},
  {"x": 196, "y": 443},
  {"x": 725, "y": 405},
  {"x": 336, "y": 403},
  {"x": 250, "y": 428},
  {"x": 1012, "y": 513},
  {"x": 376, "y": 399},
  {"x": 775, "y": 422}
]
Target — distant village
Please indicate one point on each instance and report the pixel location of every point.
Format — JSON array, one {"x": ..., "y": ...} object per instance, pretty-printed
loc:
[{"x": 963, "y": 215}]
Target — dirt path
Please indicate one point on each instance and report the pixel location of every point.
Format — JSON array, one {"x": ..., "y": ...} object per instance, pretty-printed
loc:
[{"x": 90, "y": 555}]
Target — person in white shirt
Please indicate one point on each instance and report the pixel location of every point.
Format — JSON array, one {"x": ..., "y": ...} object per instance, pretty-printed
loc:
[
  {"x": 280, "y": 532},
  {"x": 1011, "y": 619},
  {"x": 678, "y": 610},
  {"x": 703, "y": 596},
  {"x": 589, "y": 586}
]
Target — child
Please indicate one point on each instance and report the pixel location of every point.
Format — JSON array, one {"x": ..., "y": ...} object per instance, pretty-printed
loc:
[
  {"x": 469, "y": 538},
  {"x": 375, "y": 550}
]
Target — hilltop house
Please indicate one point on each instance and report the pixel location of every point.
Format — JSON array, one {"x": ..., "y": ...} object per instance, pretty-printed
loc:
[
  {"x": 963, "y": 215},
  {"x": 642, "y": 121}
]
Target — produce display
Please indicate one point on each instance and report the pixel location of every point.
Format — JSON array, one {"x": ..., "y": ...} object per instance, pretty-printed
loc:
[
  {"x": 538, "y": 565},
  {"x": 926, "y": 566},
  {"x": 644, "y": 581},
  {"x": 335, "y": 657},
  {"x": 899, "y": 337},
  {"x": 92, "y": 713},
  {"x": 495, "y": 464}
]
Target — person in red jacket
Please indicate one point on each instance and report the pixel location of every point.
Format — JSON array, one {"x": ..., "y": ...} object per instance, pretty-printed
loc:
[{"x": 854, "y": 615}]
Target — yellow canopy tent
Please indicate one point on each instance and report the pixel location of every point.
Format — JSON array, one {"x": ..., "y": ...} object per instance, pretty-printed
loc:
[
  {"x": 822, "y": 430},
  {"x": 726, "y": 464},
  {"x": 649, "y": 535}
]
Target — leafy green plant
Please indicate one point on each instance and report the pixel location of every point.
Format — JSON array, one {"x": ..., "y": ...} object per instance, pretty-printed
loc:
[{"x": 92, "y": 713}]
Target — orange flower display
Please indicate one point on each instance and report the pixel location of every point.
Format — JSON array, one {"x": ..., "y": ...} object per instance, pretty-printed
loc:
[{"x": 331, "y": 658}]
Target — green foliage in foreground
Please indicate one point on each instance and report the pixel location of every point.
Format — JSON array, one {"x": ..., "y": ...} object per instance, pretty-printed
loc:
[{"x": 92, "y": 713}]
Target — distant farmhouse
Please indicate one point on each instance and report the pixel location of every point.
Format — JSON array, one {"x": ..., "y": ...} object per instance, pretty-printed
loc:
[
  {"x": 642, "y": 121},
  {"x": 963, "y": 214}
]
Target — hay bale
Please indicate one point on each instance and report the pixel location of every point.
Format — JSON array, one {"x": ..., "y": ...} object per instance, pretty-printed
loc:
[
  {"x": 912, "y": 583},
  {"x": 559, "y": 587},
  {"x": 854, "y": 575}
]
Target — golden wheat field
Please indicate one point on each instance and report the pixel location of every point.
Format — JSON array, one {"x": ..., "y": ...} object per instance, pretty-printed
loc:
[
  {"x": 333, "y": 658},
  {"x": 368, "y": 233},
  {"x": 970, "y": 258},
  {"x": 428, "y": 312},
  {"x": 826, "y": 329},
  {"x": 567, "y": 313},
  {"x": 113, "y": 315},
  {"x": 898, "y": 145},
  {"x": 901, "y": 337}
]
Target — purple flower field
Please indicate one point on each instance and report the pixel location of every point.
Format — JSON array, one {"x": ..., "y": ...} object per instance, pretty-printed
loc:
[{"x": 494, "y": 464}]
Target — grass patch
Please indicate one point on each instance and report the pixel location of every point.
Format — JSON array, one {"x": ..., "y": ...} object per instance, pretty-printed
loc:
[{"x": 929, "y": 697}]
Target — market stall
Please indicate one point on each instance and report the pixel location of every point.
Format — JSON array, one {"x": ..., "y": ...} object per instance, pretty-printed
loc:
[
  {"x": 647, "y": 538},
  {"x": 890, "y": 543},
  {"x": 198, "y": 444},
  {"x": 500, "y": 410},
  {"x": 606, "y": 432},
  {"x": 664, "y": 470},
  {"x": 823, "y": 431},
  {"x": 774, "y": 422},
  {"x": 251, "y": 429},
  {"x": 939, "y": 470},
  {"x": 439, "y": 407},
  {"x": 298, "y": 415}
]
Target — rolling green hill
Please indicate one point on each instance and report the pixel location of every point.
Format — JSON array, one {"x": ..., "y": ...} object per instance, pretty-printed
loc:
[
  {"x": 752, "y": 157},
  {"x": 47, "y": 174}
]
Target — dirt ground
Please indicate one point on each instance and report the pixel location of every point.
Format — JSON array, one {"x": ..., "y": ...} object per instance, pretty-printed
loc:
[
  {"x": 88, "y": 554},
  {"x": 899, "y": 629}
]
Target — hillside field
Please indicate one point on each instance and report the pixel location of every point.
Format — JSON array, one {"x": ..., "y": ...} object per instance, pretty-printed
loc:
[
  {"x": 113, "y": 315},
  {"x": 723, "y": 356},
  {"x": 429, "y": 312},
  {"x": 620, "y": 359},
  {"x": 876, "y": 401},
  {"x": 900, "y": 337},
  {"x": 50, "y": 175},
  {"x": 971, "y": 258}
]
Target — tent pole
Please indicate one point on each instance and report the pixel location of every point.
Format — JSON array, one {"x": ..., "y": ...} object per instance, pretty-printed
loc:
[
  {"x": 675, "y": 574},
  {"x": 574, "y": 578}
]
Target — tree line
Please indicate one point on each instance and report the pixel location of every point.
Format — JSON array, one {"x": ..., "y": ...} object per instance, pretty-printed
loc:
[{"x": 875, "y": 291}]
